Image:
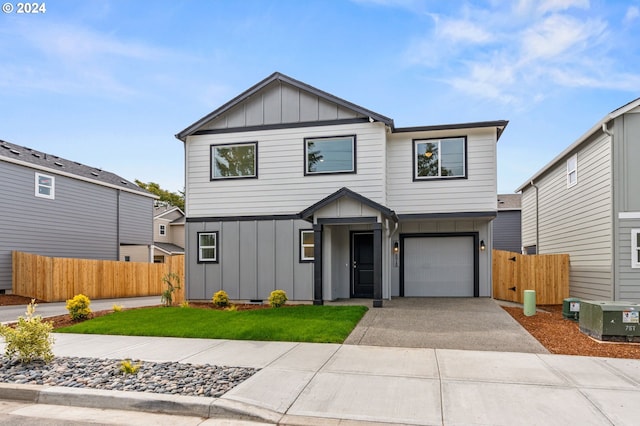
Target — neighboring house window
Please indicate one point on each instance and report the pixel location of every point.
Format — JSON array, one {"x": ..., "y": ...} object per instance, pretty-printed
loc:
[
  {"x": 158, "y": 259},
  {"x": 162, "y": 230},
  {"x": 208, "y": 246},
  {"x": 306, "y": 246},
  {"x": 439, "y": 158},
  {"x": 635, "y": 248},
  {"x": 127, "y": 258},
  {"x": 232, "y": 161},
  {"x": 330, "y": 155},
  {"x": 572, "y": 171},
  {"x": 45, "y": 186}
]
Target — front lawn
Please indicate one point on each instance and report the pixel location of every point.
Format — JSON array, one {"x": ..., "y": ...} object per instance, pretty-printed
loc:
[{"x": 304, "y": 323}]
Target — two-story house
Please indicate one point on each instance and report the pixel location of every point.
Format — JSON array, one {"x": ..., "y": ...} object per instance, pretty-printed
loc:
[
  {"x": 289, "y": 187},
  {"x": 586, "y": 202},
  {"x": 168, "y": 231},
  {"x": 60, "y": 208}
]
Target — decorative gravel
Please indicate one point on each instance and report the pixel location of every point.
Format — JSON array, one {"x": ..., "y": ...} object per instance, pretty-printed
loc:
[{"x": 169, "y": 378}]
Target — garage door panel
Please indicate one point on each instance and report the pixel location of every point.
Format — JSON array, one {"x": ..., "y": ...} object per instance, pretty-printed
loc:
[{"x": 438, "y": 266}]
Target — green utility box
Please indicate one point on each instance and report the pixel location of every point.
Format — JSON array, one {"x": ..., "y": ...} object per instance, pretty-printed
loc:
[
  {"x": 571, "y": 308},
  {"x": 611, "y": 321}
]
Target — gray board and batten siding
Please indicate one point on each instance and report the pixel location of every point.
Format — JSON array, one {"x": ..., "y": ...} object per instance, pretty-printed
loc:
[
  {"x": 83, "y": 220},
  {"x": 255, "y": 257}
]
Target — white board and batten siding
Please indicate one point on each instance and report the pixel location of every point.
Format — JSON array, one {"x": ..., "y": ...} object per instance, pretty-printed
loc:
[
  {"x": 281, "y": 186},
  {"x": 476, "y": 193},
  {"x": 576, "y": 220}
]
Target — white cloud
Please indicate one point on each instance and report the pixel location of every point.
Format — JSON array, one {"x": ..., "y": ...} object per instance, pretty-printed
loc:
[
  {"x": 633, "y": 12},
  {"x": 558, "y": 35},
  {"x": 458, "y": 30},
  {"x": 560, "y": 5}
]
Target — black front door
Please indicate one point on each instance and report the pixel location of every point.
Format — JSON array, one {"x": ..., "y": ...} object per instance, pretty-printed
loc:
[{"x": 362, "y": 264}]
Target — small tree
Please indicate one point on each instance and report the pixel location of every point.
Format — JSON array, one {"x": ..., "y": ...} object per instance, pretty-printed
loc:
[
  {"x": 30, "y": 339},
  {"x": 172, "y": 280}
]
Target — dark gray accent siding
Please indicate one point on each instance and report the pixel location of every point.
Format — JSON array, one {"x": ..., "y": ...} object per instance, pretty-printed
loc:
[
  {"x": 506, "y": 231},
  {"x": 81, "y": 222},
  {"x": 628, "y": 278},
  {"x": 136, "y": 219},
  {"x": 255, "y": 258}
]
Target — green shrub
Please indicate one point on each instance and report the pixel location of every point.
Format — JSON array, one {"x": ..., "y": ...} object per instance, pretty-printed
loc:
[
  {"x": 172, "y": 280},
  {"x": 184, "y": 304},
  {"x": 231, "y": 308},
  {"x": 78, "y": 307},
  {"x": 220, "y": 299},
  {"x": 277, "y": 298},
  {"x": 30, "y": 339},
  {"x": 127, "y": 367}
]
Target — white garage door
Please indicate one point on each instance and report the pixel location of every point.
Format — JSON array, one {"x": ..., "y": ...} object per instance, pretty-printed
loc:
[{"x": 438, "y": 266}]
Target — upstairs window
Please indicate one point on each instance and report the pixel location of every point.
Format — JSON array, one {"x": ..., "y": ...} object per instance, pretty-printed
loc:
[
  {"x": 162, "y": 230},
  {"x": 307, "y": 246},
  {"x": 572, "y": 171},
  {"x": 330, "y": 155},
  {"x": 45, "y": 186},
  {"x": 232, "y": 161},
  {"x": 208, "y": 246},
  {"x": 439, "y": 158},
  {"x": 635, "y": 248}
]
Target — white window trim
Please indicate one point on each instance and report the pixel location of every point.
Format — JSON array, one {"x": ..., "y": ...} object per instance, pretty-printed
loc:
[
  {"x": 571, "y": 170},
  {"x": 304, "y": 258},
  {"x": 162, "y": 229},
  {"x": 52, "y": 193},
  {"x": 215, "y": 247},
  {"x": 635, "y": 249}
]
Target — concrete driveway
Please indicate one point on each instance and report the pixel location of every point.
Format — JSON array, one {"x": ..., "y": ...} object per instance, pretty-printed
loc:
[{"x": 443, "y": 323}]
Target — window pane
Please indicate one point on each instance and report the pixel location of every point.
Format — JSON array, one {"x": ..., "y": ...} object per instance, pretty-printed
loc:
[
  {"x": 308, "y": 252},
  {"x": 44, "y": 180},
  {"x": 208, "y": 253},
  {"x": 44, "y": 190},
  {"x": 452, "y": 157},
  {"x": 307, "y": 238},
  {"x": 234, "y": 161},
  {"x": 427, "y": 159},
  {"x": 207, "y": 240},
  {"x": 330, "y": 155}
]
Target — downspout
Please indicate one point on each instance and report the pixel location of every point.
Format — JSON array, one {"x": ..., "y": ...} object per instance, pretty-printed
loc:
[
  {"x": 537, "y": 219},
  {"x": 390, "y": 234},
  {"x": 614, "y": 221}
]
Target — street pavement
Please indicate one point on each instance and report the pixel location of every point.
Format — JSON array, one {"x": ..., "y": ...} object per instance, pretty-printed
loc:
[{"x": 331, "y": 384}]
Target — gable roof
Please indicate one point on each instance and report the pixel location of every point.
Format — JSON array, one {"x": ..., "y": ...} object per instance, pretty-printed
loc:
[
  {"x": 308, "y": 213},
  {"x": 279, "y": 77},
  {"x": 161, "y": 209},
  {"x": 599, "y": 126},
  {"x": 169, "y": 248},
  {"x": 32, "y": 158}
]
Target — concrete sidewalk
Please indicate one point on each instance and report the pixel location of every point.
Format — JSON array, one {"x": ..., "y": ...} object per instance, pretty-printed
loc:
[
  {"x": 304, "y": 383},
  {"x": 50, "y": 309}
]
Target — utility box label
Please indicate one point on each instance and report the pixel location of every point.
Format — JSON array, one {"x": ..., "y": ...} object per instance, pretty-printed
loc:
[
  {"x": 630, "y": 317},
  {"x": 574, "y": 306}
]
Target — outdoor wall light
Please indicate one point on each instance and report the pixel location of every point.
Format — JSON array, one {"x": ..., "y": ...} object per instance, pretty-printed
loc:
[
  {"x": 482, "y": 246},
  {"x": 396, "y": 247}
]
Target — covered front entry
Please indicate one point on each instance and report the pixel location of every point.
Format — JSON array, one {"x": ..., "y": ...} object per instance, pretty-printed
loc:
[
  {"x": 439, "y": 265},
  {"x": 351, "y": 247}
]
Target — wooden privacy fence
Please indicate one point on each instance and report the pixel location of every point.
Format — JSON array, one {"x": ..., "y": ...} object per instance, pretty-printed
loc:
[
  {"x": 55, "y": 279},
  {"x": 547, "y": 274}
]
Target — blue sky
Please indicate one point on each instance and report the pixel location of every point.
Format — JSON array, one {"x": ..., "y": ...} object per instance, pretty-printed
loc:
[{"x": 109, "y": 83}]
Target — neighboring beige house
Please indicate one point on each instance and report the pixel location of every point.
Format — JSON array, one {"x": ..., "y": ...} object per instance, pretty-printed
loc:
[{"x": 168, "y": 231}]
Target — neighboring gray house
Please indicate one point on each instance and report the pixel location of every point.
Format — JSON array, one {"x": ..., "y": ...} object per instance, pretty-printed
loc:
[
  {"x": 168, "y": 231},
  {"x": 506, "y": 226},
  {"x": 289, "y": 187},
  {"x": 59, "y": 208},
  {"x": 586, "y": 202}
]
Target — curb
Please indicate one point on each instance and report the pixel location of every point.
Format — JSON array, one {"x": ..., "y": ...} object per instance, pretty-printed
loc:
[{"x": 137, "y": 401}]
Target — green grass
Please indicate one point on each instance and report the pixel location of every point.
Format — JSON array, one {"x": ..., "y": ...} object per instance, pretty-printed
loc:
[{"x": 304, "y": 323}]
